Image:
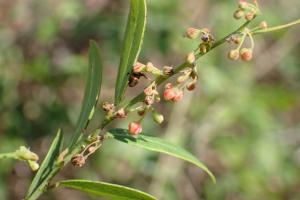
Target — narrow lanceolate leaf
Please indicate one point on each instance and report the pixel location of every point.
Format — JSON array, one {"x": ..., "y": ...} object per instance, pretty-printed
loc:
[
  {"x": 158, "y": 145},
  {"x": 92, "y": 91},
  {"x": 132, "y": 43},
  {"x": 46, "y": 170},
  {"x": 107, "y": 190}
]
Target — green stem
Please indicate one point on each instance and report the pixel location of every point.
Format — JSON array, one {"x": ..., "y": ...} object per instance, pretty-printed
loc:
[
  {"x": 276, "y": 28},
  {"x": 8, "y": 155}
]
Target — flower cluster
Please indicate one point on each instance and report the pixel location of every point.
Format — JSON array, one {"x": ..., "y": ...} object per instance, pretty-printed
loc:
[{"x": 246, "y": 10}]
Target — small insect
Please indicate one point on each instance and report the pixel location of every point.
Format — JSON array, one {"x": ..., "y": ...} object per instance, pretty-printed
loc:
[{"x": 134, "y": 78}]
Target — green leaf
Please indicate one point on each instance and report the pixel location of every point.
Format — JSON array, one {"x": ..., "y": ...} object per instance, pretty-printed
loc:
[
  {"x": 107, "y": 190},
  {"x": 46, "y": 170},
  {"x": 134, "y": 34},
  {"x": 157, "y": 145},
  {"x": 92, "y": 91}
]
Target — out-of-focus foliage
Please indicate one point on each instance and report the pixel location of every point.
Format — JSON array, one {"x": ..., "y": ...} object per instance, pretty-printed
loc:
[{"x": 243, "y": 120}]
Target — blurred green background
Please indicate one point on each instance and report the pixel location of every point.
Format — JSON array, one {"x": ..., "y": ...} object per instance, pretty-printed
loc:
[{"x": 243, "y": 121}]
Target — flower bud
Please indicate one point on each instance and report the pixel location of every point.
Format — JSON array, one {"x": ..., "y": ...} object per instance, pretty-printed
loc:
[
  {"x": 33, "y": 165},
  {"x": 178, "y": 95},
  {"x": 169, "y": 94},
  {"x": 138, "y": 67},
  {"x": 121, "y": 113},
  {"x": 168, "y": 71},
  {"x": 181, "y": 79},
  {"x": 246, "y": 54},
  {"x": 108, "y": 106},
  {"x": 190, "y": 58},
  {"x": 157, "y": 117},
  {"x": 92, "y": 149},
  {"x": 234, "y": 54},
  {"x": 149, "y": 67},
  {"x": 238, "y": 14},
  {"x": 243, "y": 4},
  {"x": 134, "y": 128},
  {"x": 168, "y": 86},
  {"x": 25, "y": 154},
  {"x": 192, "y": 33},
  {"x": 141, "y": 112},
  {"x": 78, "y": 160},
  {"x": 148, "y": 90},
  {"x": 263, "y": 25},
  {"x": 149, "y": 100},
  {"x": 191, "y": 86},
  {"x": 249, "y": 16}
]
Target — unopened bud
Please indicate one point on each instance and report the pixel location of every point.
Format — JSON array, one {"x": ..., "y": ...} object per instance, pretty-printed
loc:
[
  {"x": 190, "y": 58},
  {"x": 192, "y": 33},
  {"x": 149, "y": 100},
  {"x": 168, "y": 86},
  {"x": 78, "y": 160},
  {"x": 181, "y": 79},
  {"x": 191, "y": 86},
  {"x": 243, "y": 4},
  {"x": 92, "y": 149},
  {"x": 234, "y": 54},
  {"x": 148, "y": 90},
  {"x": 168, "y": 71},
  {"x": 178, "y": 95},
  {"x": 134, "y": 128},
  {"x": 263, "y": 25},
  {"x": 238, "y": 14},
  {"x": 138, "y": 68},
  {"x": 157, "y": 117},
  {"x": 246, "y": 54},
  {"x": 149, "y": 67},
  {"x": 108, "y": 106},
  {"x": 169, "y": 94},
  {"x": 25, "y": 154},
  {"x": 249, "y": 16},
  {"x": 121, "y": 113},
  {"x": 33, "y": 165}
]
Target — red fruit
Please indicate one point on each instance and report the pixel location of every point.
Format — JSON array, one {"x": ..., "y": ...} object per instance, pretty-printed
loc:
[
  {"x": 169, "y": 94},
  {"x": 135, "y": 128}
]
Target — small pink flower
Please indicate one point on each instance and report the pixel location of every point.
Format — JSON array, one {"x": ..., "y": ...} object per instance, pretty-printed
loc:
[
  {"x": 135, "y": 128},
  {"x": 169, "y": 94},
  {"x": 138, "y": 67},
  {"x": 178, "y": 96}
]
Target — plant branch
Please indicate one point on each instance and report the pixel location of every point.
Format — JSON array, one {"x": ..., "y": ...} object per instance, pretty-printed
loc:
[
  {"x": 276, "y": 28},
  {"x": 161, "y": 79}
]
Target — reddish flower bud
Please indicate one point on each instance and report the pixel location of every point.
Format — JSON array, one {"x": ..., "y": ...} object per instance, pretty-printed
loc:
[
  {"x": 243, "y": 4},
  {"x": 234, "y": 54},
  {"x": 190, "y": 58},
  {"x": 169, "y": 94},
  {"x": 238, "y": 14},
  {"x": 135, "y": 128},
  {"x": 263, "y": 25},
  {"x": 149, "y": 100},
  {"x": 246, "y": 54},
  {"x": 191, "y": 86},
  {"x": 178, "y": 95},
  {"x": 168, "y": 86},
  {"x": 121, "y": 113},
  {"x": 138, "y": 67},
  {"x": 108, "y": 106},
  {"x": 192, "y": 33},
  {"x": 249, "y": 16},
  {"x": 78, "y": 160}
]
